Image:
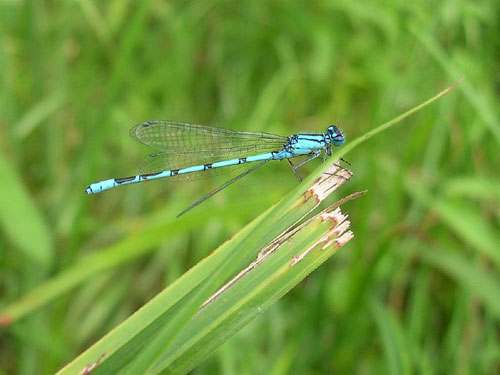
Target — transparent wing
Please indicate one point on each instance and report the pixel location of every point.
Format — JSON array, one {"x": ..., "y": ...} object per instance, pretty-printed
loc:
[
  {"x": 166, "y": 161},
  {"x": 209, "y": 143}
]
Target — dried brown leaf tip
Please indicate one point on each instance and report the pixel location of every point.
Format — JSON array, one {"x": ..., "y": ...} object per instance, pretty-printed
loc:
[
  {"x": 334, "y": 177},
  {"x": 338, "y": 234}
]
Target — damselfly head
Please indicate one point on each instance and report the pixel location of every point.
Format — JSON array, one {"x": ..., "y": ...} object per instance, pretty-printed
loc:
[{"x": 336, "y": 135}]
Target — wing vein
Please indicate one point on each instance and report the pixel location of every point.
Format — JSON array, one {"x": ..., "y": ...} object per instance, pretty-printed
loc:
[{"x": 183, "y": 145}]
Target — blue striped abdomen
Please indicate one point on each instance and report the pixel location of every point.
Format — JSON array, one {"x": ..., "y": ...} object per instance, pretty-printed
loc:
[{"x": 114, "y": 182}]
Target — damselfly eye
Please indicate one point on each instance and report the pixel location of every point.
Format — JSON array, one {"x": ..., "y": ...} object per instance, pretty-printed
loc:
[
  {"x": 336, "y": 135},
  {"x": 332, "y": 130}
]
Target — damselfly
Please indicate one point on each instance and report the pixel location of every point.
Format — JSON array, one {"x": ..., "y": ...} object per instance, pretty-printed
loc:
[{"x": 190, "y": 151}]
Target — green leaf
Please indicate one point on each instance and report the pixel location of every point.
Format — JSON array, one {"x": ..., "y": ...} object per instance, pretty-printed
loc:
[
  {"x": 463, "y": 219},
  {"x": 37, "y": 114},
  {"x": 19, "y": 216},
  {"x": 397, "y": 355},
  {"x": 476, "y": 98},
  {"x": 166, "y": 316},
  {"x": 474, "y": 187},
  {"x": 256, "y": 288},
  {"x": 481, "y": 282}
]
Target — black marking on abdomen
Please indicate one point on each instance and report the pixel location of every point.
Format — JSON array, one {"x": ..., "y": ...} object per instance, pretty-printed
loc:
[
  {"x": 311, "y": 139},
  {"x": 146, "y": 176},
  {"x": 174, "y": 172},
  {"x": 124, "y": 179},
  {"x": 207, "y": 166},
  {"x": 242, "y": 160}
]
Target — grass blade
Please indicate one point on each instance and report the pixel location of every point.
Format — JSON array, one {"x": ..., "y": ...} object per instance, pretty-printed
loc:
[
  {"x": 179, "y": 301},
  {"x": 19, "y": 216}
]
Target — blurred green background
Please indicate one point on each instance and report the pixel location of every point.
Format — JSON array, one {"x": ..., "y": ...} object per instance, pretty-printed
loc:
[{"x": 418, "y": 288}]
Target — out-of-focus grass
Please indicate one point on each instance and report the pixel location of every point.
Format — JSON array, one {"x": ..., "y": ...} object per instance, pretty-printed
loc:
[{"x": 75, "y": 76}]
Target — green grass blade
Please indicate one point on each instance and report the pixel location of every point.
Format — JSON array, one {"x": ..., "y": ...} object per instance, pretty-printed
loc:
[
  {"x": 19, "y": 216},
  {"x": 479, "y": 188},
  {"x": 467, "y": 274},
  {"x": 40, "y": 112},
  {"x": 398, "y": 358},
  {"x": 463, "y": 219},
  {"x": 256, "y": 288},
  {"x": 480, "y": 101},
  {"x": 185, "y": 295}
]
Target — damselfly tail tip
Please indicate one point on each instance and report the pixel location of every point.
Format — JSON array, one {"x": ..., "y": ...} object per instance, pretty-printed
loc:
[{"x": 88, "y": 190}]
